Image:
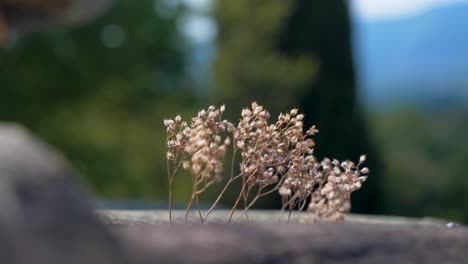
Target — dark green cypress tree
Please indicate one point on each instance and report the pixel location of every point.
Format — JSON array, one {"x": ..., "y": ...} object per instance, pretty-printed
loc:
[
  {"x": 287, "y": 53},
  {"x": 322, "y": 29}
]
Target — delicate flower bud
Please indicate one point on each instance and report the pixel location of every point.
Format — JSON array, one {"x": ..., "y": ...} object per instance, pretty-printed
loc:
[
  {"x": 169, "y": 155},
  {"x": 312, "y": 131},
  {"x": 365, "y": 170},
  {"x": 240, "y": 144},
  {"x": 246, "y": 112},
  {"x": 362, "y": 158},
  {"x": 202, "y": 143},
  {"x": 168, "y": 122},
  {"x": 178, "y": 118},
  {"x": 186, "y": 165},
  {"x": 257, "y": 110},
  {"x": 284, "y": 191},
  {"x": 211, "y": 115}
]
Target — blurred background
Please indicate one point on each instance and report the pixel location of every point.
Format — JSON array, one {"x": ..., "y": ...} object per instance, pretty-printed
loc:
[{"x": 388, "y": 78}]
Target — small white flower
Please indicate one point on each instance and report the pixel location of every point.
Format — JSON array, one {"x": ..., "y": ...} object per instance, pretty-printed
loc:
[
  {"x": 169, "y": 155},
  {"x": 240, "y": 144},
  {"x": 284, "y": 191},
  {"x": 246, "y": 112},
  {"x": 186, "y": 165},
  {"x": 362, "y": 158},
  {"x": 168, "y": 122}
]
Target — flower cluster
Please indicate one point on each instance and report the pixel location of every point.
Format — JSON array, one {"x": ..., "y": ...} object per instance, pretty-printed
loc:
[
  {"x": 275, "y": 157},
  {"x": 331, "y": 198},
  {"x": 201, "y": 143},
  {"x": 256, "y": 141}
]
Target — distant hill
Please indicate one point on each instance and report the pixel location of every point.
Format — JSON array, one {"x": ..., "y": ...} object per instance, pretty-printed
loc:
[{"x": 421, "y": 60}]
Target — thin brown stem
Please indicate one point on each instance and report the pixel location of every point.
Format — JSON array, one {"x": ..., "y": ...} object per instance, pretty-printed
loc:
[
  {"x": 208, "y": 184},
  {"x": 198, "y": 208},
  {"x": 284, "y": 200},
  {"x": 169, "y": 179},
  {"x": 250, "y": 204},
  {"x": 244, "y": 185},
  {"x": 187, "y": 211},
  {"x": 231, "y": 180},
  {"x": 192, "y": 197},
  {"x": 287, "y": 202}
]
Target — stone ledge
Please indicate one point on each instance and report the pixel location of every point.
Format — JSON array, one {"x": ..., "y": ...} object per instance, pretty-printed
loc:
[
  {"x": 262, "y": 216},
  {"x": 346, "y": 242},
  {"x": 360, "y": 239}
]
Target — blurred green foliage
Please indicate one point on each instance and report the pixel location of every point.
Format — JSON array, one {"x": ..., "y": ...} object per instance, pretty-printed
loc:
[
  {"x": 425, "y": 155},
  {"x": 104, "y": 106},
  {"x": 248, "y": 66},
  {"x": 297, "y": 54}
]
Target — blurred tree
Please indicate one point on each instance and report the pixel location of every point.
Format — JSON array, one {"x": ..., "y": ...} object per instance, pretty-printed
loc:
[
  {"x": 284, "y": 53},
  {"x": 248, "y": 66},
  {"x": 323, "y": 28},
  {"x": 426, "y": 156},
  {"x": 100, "y": 93}
]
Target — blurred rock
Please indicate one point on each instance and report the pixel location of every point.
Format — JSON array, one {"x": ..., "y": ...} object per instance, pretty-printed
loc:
[
  {"x": 44, "y": 216},
  {"x": 23, "y": 16}
]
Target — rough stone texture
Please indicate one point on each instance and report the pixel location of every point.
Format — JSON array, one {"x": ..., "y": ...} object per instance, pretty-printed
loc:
[
  {"x": 44, "y": 216},
  {"x": 361, "y": 239},
  {"x": 297, "y": 243},
  {"x": 132, "y": 217}
]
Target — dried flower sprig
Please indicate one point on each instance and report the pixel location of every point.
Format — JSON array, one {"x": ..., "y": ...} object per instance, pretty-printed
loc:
[
  {"x": 274, "y": 157},
  {"x": 199, "y": 148}
]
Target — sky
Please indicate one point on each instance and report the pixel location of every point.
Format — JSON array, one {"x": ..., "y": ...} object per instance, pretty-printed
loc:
[
  {"x": 394, "y": 9},
  {"x": 371, "y": 9},
  {"x": 201, "y": 29}
]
